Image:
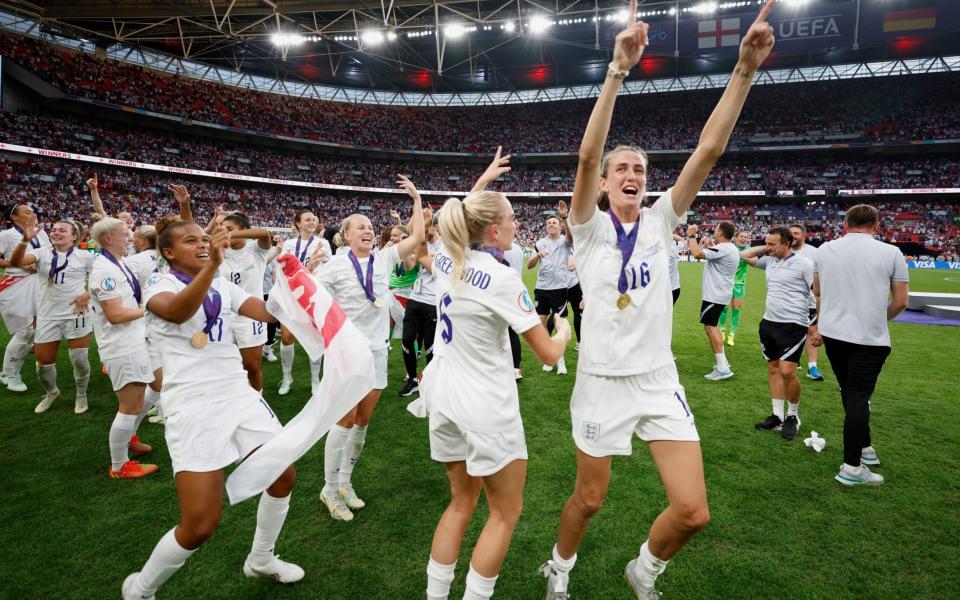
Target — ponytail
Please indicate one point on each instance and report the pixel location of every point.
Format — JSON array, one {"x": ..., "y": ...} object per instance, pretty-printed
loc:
[{"x": 465, "y": 222}]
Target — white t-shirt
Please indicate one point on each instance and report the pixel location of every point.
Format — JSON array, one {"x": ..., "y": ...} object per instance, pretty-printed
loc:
[
  {"x": 472, "y": 372},
  {"x": 636, "y": 339},
  {"x": 107, "y": 282},
  {"x": 424, "y": 288},
  {"x": 810, "y": 253},
  {"x": 143, "y": 264},
  {"x": 304, "y": 249},
  {"x": 514, "y": 256},
  {"x": 9, "y": 238},
  {"x": 673, "y": 264},
  {"x": 722, "y": 262},
  {"x": 553, "y": 273},
  {"x": 191, "y": 374},
  {"x": 788, "y": 286},
  {"x": 855, "y": 275},
  {"x": 339, "y": 277},
  {"x": 572, "y": 278},
  {"x": 245, "y": 267},
  {"x": 56, "y": 296}
]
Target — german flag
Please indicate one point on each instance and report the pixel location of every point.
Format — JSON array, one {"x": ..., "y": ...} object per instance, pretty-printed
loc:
[{"x": 909, "y": 20}]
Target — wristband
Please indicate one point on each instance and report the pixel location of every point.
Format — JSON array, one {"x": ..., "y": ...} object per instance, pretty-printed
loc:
[{"x": 614, "y": 71}]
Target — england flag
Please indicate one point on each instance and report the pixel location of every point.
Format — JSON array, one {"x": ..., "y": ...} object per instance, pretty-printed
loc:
[
  {"x": 321, "y": 327},
  {"x": 718, "y": 33}
]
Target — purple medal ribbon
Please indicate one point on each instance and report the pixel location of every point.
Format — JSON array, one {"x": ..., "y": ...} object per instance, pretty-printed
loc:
[
  {"x": 34, "y": 242},
  {"x": 626, "y": 242},
  {"x": 497, "y": 253},
  {"x": 131, "y": 278},
  {"x": 212, "y": 302},
  {"x": 302, "y": 257},
  {"x": 54, "y": 268},
  {"x": 368, "y": 284}
]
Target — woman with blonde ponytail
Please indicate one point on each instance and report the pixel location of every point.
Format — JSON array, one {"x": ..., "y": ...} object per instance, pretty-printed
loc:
[{"x": 469, "y": 390}]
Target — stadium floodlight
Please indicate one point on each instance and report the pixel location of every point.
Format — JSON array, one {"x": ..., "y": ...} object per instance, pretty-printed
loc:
[
  {"x": 391, "y": 35},
  {"x": 509, "y": 26},
  {"x": 539, "y": 24},
  {"x": 705, "y": 8},
  {"x": 286, "y": 39},
  {"x": 372, "y": 37},
  {"x": 454, "y": 31}
]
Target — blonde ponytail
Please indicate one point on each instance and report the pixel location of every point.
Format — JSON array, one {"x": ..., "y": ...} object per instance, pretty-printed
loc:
[{"x": 465, "y": 222}]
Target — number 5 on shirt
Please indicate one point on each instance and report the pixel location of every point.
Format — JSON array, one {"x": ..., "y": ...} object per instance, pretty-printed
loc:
[{"x": 446, "y": 334}]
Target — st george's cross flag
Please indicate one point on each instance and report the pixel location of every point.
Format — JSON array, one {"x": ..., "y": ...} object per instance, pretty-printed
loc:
[
  {"x": 718, "y": 33},
  {"x": 321, "y": 327}
]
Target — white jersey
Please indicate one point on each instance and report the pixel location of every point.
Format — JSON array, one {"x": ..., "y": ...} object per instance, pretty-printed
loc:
[
  {"x": 245, "y": 267},
  {"x": 514, "y": 256},
  {"x": 572, "y": 278},
  {"x": 108, "y": 281},
  {"x": 722, "y": 262},
  {"x": 472, "y": 372},
  {"x": 58, "y": 291},
  {"x": 303, "y": 249},
  {"x": 553, "y": 273},
  {"x": 636, "y": 339},
  {"x": 673, "y": 264},
  {"x": 810, "y": 253},
  {"x": 193, "y": 375},
  {"x": 339, "y": 277},
  {"x": 424, "y": 288},
  {"x": 855, "y": 276},
  {"x": 144, "y": 264},
  {"x": 9, "y": 238},
  {"x": 788, "y": 287}
]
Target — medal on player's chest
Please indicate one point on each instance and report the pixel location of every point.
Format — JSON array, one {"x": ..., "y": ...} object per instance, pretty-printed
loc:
[
  {"x": 199, "y": 340},
  {"x": 626, "y": 243},
  {"x": 379, "y": 303}
]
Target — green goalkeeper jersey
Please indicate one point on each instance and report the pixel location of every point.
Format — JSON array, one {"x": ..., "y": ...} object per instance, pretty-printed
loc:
[
  {"x": 741, "y": 275},
  {"x": 401, "y": 279}
]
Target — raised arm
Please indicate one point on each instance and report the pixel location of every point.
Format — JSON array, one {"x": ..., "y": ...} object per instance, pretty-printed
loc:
[
  {"x": 183, "y": 199},
  {"x": 178, "y": 308},
  {"x": 627, "y": 49},
  {"x": 752, "y": 255},
  {"x": 754, "y": 49},
  {"x": 94, "y": 187},
  {"x": 498, "y": 167},
  {"x": 261, "y": 235},
  {"x": 695, "y": 250},
  {"x": 20, "y": 258},
  {"x": 417, "y": 234}
]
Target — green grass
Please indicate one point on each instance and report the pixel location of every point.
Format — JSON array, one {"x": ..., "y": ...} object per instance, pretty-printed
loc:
[{"x": 781, "y": 526}]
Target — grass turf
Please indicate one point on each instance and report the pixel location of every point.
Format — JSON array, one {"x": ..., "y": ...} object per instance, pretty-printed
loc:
[{"x": 781, "y": 527}]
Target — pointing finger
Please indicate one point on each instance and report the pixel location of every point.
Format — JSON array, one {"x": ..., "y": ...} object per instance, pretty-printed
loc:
[{"x": 765, "y": 11}]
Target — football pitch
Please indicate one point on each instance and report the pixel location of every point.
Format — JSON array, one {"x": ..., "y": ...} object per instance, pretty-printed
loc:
[{"x": 781, "y": 526}]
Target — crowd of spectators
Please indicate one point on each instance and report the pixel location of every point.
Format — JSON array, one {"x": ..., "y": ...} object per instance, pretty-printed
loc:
[
  {"x": 737, "y": 172},
  {"x": 56, "y": 189},
  {"x": 882, "y": 109}
]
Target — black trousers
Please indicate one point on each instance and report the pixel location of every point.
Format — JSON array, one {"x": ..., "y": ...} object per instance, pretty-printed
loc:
[
  {"x": 514, "y": 347},
  {"x": 271, "y": 327},
  {"x": 857, "y": 368},
  {"x": 419, "y": 324},
  {"x": 575, "y": 296}
]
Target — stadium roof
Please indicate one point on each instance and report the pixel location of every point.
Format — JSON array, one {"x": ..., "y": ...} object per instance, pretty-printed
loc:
[{"x": 450, "y": 46}]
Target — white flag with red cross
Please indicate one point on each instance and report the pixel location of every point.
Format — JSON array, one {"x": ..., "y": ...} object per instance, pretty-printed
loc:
[{"x": 718, "y": 33}]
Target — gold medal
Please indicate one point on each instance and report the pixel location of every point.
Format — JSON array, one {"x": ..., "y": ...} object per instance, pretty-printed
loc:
[
  {"x": 199, "y": 340},
  {"x": 379, "y": 303},
  {"x": 623, "y": 301}
]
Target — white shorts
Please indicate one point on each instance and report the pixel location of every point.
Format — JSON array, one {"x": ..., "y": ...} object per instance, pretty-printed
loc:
[
  {"x": 19, "y": 297},
  {"x": 607, "y": 411},
  {"x": 54, "y": 330},
  {"x": 379, "y": 368},
  {"x": 208, "y": 436},
  {"x": 484, "y": 453},
  {"x": 249, "y": 333},
  {"x": 131, "y": 368},
  {"x": 154, "y": 350}
]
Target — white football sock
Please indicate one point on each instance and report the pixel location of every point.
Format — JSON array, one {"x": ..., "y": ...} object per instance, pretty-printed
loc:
[
  {"x": 722, "y": 363},
  {"x": 478, "y": 586},
  {"x": 333, "y": 457},
  {"x": 315, "y": 371},
  {"x": 47, "y": 374},
  {"x": 649, "y": 567},
  {"x": 286, "y": 360},
  {"x": 148, "y": 399},
  {"x": 165, "y": 560},
  {"x": 17, "y": 350},
  {"x": 120, "y": 432},
  {"x": 271, "y": 514},
  {"x": 778, "y": 408},
  {"x": 81, "y": 369},
  {"x": 793, "y": 410},
  {"x": 563, "y": 564},
  {"x": 439, "y": 578},
  {"x": 351, "y": 452},
  {"x": 812, "y": 365}
]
